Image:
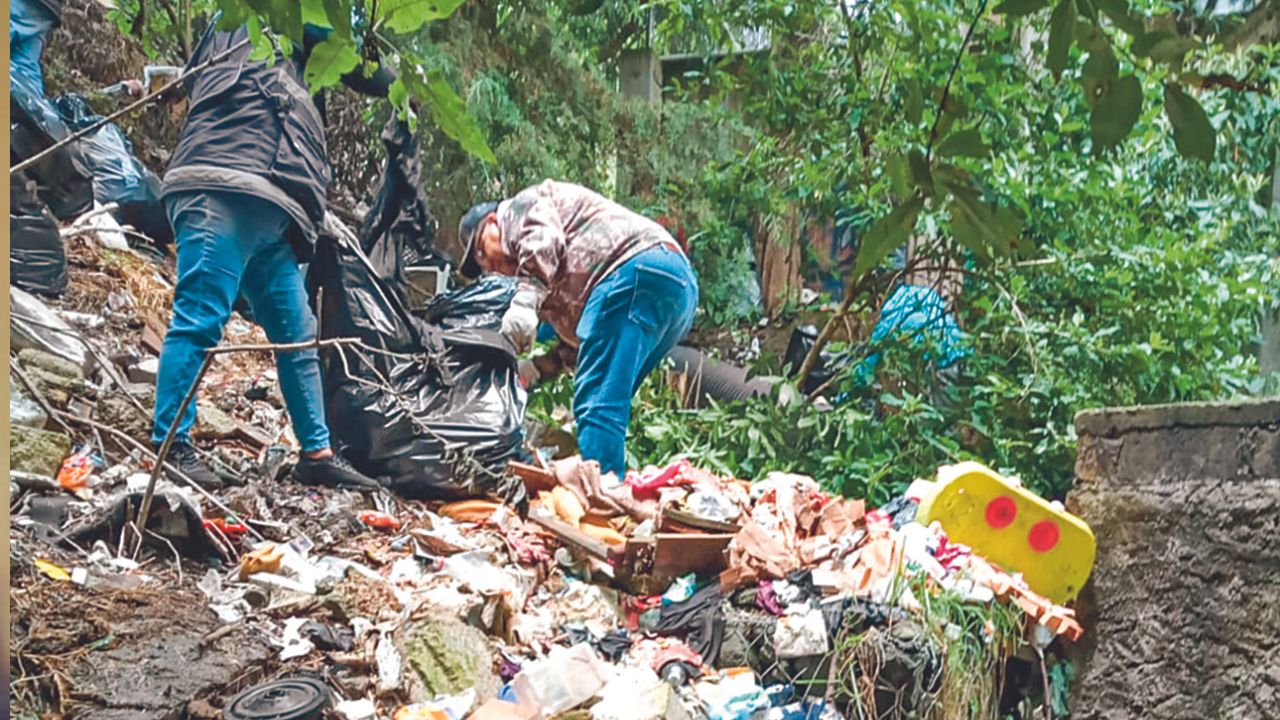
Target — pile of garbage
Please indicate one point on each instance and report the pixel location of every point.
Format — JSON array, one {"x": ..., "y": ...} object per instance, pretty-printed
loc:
[{"x": 486, "y": 580}]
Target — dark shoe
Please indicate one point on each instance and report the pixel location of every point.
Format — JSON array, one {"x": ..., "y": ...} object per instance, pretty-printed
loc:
[
  {"x": 334, "y": 472},
  {"x": 183, "y": 458}
]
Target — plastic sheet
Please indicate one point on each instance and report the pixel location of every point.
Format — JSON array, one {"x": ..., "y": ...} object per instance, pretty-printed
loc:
[
  {"x": 64, "y": 180},
  {"x": 118, "y": 175},
  {"x": 399, "y": 230},
  {"x": 433, "y": 413}
]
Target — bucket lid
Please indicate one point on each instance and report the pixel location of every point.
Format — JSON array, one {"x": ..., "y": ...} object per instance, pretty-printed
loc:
[{"x": 297, "y": 698}]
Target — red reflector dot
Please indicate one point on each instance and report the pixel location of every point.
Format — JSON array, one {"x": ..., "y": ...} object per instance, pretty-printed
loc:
[
  {"x": 1001, "y": 512},
  {"x": 1043, "y": 536}
]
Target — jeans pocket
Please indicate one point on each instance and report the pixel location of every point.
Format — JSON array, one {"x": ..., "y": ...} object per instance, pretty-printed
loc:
[{"x": 657, "y": 296}]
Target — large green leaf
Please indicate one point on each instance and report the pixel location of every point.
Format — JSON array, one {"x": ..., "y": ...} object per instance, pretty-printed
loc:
[
  {"x": 980, "y": 227},
  {"x": 447, "y": 108},
  {"x": 966, "y": 143},
  {"x": 329, "y": 61},
  {"x": 1100, "y": 70},
  {"x": 1017, "y": 8},
  {"x": 921, "y": 176},
  {"x": 899, "y": 175},
  {"x": 1192, "y": 132},
  {"x": 885, "y": 235},
  {"x": 234, "y": 14},
  {"x": 406, "y": 16},
  {"x": 1062, "y": 25},
  {"x": 1116, "y": 111},
  {"x": 1118, "y": 11},
  {"x": 285, "y": 17},
  {"x": 339, "y": 15}
]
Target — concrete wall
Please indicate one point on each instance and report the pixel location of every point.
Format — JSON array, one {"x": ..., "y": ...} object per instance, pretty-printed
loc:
[{"x": 1182, "y": 616}]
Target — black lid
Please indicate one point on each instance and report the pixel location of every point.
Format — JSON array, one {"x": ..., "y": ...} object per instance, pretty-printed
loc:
[{"x": 298, "y": 698}]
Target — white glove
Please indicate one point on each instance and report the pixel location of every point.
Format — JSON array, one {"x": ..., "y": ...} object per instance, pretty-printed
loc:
[
  {"x": 520, "y": 326},
  {"x": 529, "y": 373}
]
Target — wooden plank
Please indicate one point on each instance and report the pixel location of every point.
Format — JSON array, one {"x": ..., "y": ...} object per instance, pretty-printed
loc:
[
  {"x": 570, "y": 535},
  {"x": 680, "y": 554},
  {"x": 535, "y": 478}
]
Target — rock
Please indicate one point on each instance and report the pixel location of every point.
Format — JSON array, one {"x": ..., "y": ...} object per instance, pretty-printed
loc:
[
  {"x": 144, "y": 371},
  {"x": 449, "y": 657},
  {"x": 37, "y": 451},
  {"x": 56, "y": 377},
  {"x": 32, "y": 358},
  {"x": 117, "y": 412},
  {"x": 213, "y": 423}
]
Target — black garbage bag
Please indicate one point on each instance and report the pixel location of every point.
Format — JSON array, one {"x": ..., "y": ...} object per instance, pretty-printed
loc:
[
  {"x": 63, "y": 179},
  {"x": 37, "y": 255},
  {"x": 432, "y": 412},
  {"x": 478, "y": 305},
  {"x": 399, "y": 230},
  {"x": 828, "y": 364},
  {"x": 118, "y": 175}
]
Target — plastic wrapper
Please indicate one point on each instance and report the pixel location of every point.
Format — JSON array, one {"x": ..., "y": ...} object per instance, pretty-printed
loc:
[
  {"x": 32, "y": 324},
  {"x": 64, "y": 180},
  {"x": 432, "y": 413},
  {"x": 118, "y": 175}
]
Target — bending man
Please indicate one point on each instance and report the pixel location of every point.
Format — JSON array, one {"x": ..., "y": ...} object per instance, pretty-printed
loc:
[{"x": 612, "y": 283}]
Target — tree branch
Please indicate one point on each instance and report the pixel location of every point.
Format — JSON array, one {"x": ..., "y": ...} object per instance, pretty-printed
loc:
[{"x": 946, "y": 89}]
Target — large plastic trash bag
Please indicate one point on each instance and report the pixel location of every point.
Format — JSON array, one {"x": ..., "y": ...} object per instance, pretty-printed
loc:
[
  {"x": 118, "y": 175},
  {"x": 399, "y": 230},
  {"x": 64, "y": 180},
  {"x": 478, "y": 305},
  {"x": 432, "y": 413},
  {"x": 37, "y": 255}
]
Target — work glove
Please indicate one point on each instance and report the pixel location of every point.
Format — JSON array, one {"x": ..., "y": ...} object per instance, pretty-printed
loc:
[
  {"x": 529, "y": 373},
  {"x": 520, "y": 326}
]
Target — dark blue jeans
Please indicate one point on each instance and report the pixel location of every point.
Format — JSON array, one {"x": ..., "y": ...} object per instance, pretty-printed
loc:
[
  {"x": 29, "y": 24},
  {"x": 231, "y": 244},
  {"x": 631, "y": 321}
]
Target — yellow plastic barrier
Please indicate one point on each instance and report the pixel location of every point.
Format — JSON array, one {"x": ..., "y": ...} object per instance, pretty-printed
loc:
[{"x": 1012, "y": 527}]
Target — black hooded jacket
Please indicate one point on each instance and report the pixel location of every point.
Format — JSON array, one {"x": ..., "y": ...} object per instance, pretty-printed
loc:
[{"x": 253, "y": 128}]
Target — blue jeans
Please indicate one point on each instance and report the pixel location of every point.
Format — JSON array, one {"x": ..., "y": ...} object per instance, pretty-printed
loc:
[
  {"x": 631, "y": 321},
  {"x": 29, "y": 24},
  {"x": 228, "y": 244}
]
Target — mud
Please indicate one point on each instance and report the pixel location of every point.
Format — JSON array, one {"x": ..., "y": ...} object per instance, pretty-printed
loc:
[{"x": 124, "y": 655}]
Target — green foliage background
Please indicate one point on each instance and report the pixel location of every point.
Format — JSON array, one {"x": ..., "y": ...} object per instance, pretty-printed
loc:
[{"x": 1141, "y": 257}]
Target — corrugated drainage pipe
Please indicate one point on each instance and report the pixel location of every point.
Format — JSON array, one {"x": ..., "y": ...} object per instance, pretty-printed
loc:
[{"x": 713, "y": 379}]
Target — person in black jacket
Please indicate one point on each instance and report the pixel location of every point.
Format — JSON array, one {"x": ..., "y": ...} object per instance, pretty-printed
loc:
[
  {"x": 245, "y": 192},
  {"x": 30, "y": 22}
]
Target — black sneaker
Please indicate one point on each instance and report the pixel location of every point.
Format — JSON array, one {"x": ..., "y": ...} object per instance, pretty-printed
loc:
[
  {"x": 183, "y": 458},
  {"x": 334, "y": 472}
]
